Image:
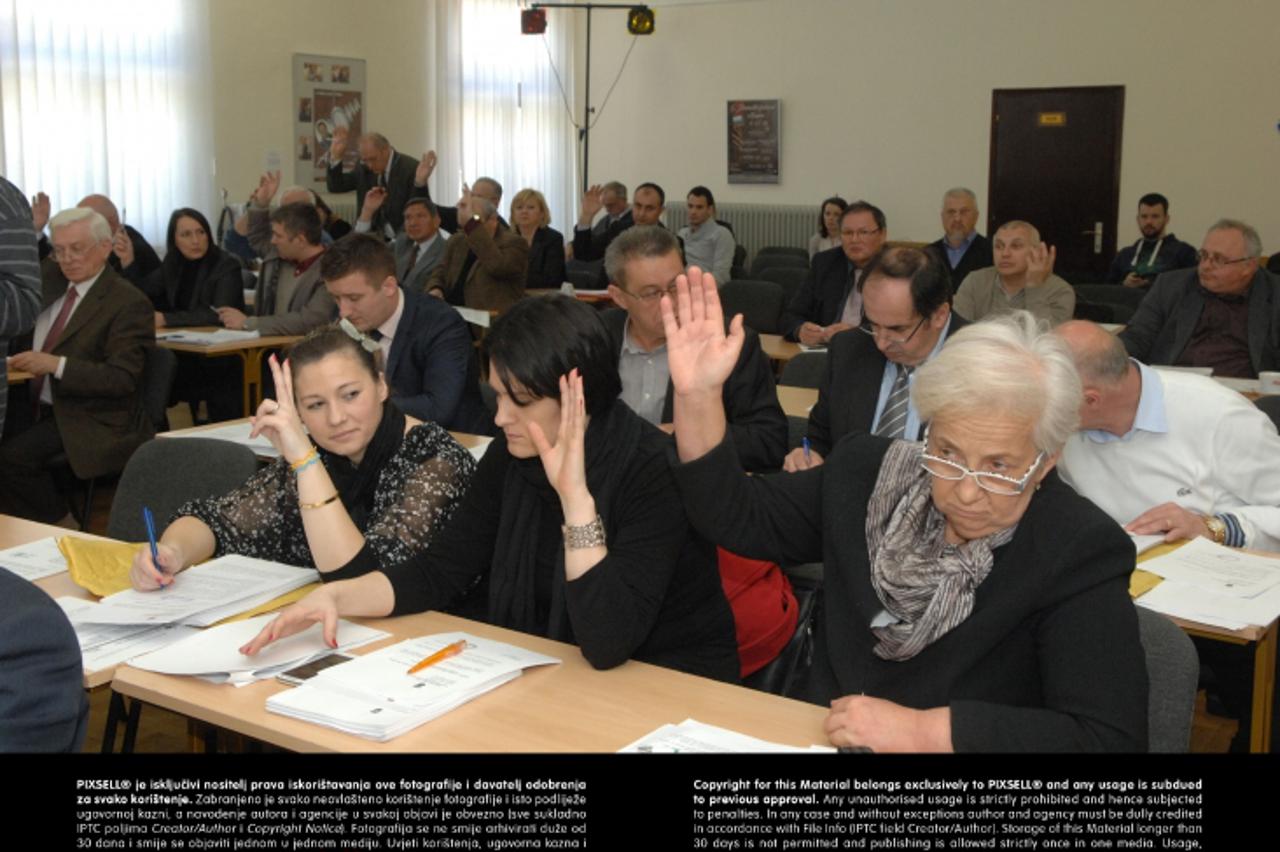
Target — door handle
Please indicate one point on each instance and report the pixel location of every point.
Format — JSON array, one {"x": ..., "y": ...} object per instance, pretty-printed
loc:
[{"x": 1096, "y": 231}]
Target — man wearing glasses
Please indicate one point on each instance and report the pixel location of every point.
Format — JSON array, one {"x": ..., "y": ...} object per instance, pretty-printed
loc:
[
  {"x": 1223, "y": 314},
  {"x": 642, "y": 263},
  {"x": 87, "y": 355},
  {"x": 830, "y": 300},
  {"x": 906, "y": 302}
]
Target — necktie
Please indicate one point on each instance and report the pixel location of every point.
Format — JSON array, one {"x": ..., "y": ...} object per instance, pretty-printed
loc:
[
  {"x": 413, "y": 259},
  {"x": 893, "y": 420},
  {"x": 51, "y": 340},
  {"x": 852, "y": 313}
]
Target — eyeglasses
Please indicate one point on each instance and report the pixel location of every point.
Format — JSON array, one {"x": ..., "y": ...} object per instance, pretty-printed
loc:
[
  {"x": 872, "y": 330},
  {"x": 652, "y": 293},
  {"x": 75, "y": 252},
  {"x": 1005, "y": 486},
  {"x": 860, "y": 234},
  {"x": 1217, "y": 261}
]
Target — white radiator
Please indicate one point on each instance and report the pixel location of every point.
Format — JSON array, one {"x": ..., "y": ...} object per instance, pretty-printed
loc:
[{"x": 758, "y": 225}]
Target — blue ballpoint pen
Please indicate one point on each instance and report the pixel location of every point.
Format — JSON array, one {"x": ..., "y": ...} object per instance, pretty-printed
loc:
[
  {"x": 150, "y": 521},
  {"x": 805, "y": 444}
]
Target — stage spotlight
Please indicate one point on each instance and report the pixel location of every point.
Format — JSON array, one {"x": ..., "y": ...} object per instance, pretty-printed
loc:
[
  {"x": 534, "y": 21},
  {"x": 640, "y": 20}
]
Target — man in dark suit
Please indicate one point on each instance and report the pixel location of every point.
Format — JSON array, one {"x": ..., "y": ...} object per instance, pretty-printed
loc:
[
  {"x": 427, "y": 351},
  {"x": 87, "y": 353},
  {"x": 612, "y": 199},
  {"x": 1224, "y": 314},
  {"x": 43, "y": 707},
  {"x": 961, "y": 248},
  {"x": 452, "y": 219},
  {"x": 380, "y": 166},
  {"x": 643, "y": 264},
  {"x": 419, "y": 248},
  {"x": 830, "y": 299},
  {"x": 867, "y": 384}
]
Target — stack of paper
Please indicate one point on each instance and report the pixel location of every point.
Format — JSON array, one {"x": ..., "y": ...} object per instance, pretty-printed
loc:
[
  {"x": 206, "y": 338},
  {"x": 214, "y": 654},
  {"x": 691, "y": 737},
  {"x": 36, "y": 559},
  {"x": 105, "y": 645},
  {"x": 1216, "y": 585},
  {"x": 202, "y": 595},
  {"x": 375, "y": 697}
]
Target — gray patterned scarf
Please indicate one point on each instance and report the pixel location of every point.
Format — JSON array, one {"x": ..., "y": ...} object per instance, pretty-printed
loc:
[{"x": 924, "y": 582}]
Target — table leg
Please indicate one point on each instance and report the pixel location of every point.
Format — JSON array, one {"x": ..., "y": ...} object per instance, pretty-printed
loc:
[
  {"x": 251, "y": 360},
  {"x": 115, "y": 712},
  {"x": 1264, "y": 688}
]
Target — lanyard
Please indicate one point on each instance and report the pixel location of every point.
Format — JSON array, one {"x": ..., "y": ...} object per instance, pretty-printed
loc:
[{"x": 1137, "y": 250}]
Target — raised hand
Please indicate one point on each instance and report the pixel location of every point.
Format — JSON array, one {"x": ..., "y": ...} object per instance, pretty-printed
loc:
[
  {"x": 426, "y": 166},
  {"x": 464, "y": 205},
  {"x": 700, "y": 354},
  {"x": 373, "y": 201},
  {"x": 123, "y": 248},
  {"x": 592, "y": 203},
  {"x": 338, "y": 144},
  {"x": 40, "y": 210},
  {"x": 268, "y": 184},
  {"x": 278, "y": 419},
  {"x": 565, "y": 461},
  {"x": 1040, "y": 264}
]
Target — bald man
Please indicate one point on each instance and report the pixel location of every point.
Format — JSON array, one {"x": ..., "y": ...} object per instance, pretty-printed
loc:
[
  {"x": 1170, "y": 453},
  {"x": 131, "y": 255},
  {"x": 380, "y": 166},
  {"x": 1021, "y": 279}
]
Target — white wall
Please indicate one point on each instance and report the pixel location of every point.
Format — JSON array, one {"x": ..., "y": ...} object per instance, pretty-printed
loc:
[
  {"x": 890, "y": 100},
  {"x": 253, "y": 43}
]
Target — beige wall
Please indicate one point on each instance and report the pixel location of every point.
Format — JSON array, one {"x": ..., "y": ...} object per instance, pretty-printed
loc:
[
  {"x": 890, "y": 100},
  {"x": 253, "y": 43}
]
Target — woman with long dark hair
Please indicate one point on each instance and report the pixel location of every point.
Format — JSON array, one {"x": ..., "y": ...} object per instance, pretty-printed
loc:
[{"x": 196, "y": 277}]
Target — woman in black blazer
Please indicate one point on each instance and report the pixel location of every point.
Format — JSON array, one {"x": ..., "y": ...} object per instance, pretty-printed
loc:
[
  {"x": 973, "y": 601},
  {"x": 196, "y": 276},
  {"x": 531, "y": 219}
]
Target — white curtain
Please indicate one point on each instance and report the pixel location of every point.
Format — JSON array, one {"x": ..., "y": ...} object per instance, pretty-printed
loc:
[
  {"x": 110, "y": 97},
  {"x": 497, "y": 107}
]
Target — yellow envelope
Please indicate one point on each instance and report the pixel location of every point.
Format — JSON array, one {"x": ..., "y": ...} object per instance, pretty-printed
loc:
[{"x": 100, "y": 566}]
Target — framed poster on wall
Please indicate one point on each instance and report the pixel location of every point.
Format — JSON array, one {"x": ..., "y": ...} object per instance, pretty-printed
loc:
[
  {"x": 754, "y": 127},
  {"x": 328, "y": 103}
]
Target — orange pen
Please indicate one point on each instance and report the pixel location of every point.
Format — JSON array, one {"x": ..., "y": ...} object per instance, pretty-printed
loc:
[{"x": 443, "y": 654}]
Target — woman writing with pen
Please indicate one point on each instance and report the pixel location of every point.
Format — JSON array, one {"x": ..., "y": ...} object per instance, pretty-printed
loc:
[
  {"x": 374, "y": 487},
  {"x": 572, "y": 528}
]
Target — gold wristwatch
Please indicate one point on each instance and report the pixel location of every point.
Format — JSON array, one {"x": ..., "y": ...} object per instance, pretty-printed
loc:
[{"x": 1217, "y": 529}]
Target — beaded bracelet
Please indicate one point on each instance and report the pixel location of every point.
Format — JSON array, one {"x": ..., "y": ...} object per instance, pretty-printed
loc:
[
  {"x": 306, "y": 461},
  {"x": 321, "y": 503},
  {"x": 586, "y": 535}
]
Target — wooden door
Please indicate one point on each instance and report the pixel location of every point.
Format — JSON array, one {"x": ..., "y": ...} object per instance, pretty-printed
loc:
[{"x": 1055, "y": 162}]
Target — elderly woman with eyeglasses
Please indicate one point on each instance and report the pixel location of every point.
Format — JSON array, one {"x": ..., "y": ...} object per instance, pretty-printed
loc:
[{"x": 974, "y": 602}]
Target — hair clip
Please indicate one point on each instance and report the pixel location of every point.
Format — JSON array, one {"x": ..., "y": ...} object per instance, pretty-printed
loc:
[{"x": 368, "y": 343}]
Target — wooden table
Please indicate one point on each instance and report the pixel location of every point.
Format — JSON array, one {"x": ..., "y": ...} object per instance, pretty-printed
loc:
[
  {"x": 777, "y": 348},
  {"x": 250, "y": 353},
  {"x": 796, "y": 402},
  {"x": 570, "y": 707}
]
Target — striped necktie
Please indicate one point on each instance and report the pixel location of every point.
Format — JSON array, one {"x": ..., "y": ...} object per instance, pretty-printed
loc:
[{"x": 893, "y": 420}]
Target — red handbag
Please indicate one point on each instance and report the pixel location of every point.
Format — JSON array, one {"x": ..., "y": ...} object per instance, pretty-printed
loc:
[{"x": 764, "y": 608}]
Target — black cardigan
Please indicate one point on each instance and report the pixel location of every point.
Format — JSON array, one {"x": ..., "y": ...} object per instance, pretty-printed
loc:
[
  {"x": 656, "y": 597},
  {"x": 218, "y": 285},
  {"x": 546, "y": 260},
  {"x": 1049, "y": 659}
]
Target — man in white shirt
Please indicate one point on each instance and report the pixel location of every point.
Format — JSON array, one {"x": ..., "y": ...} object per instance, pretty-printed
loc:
[
  {"x": 87, "y": 354},
  {"x": 1170, "y": 453},
  {"x": 708, "y": 245}
]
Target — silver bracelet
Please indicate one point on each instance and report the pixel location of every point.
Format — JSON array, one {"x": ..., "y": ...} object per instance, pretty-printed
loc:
[{"x": 586, "y": 535}]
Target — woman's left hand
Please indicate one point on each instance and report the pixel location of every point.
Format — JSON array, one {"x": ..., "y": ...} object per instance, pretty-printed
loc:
[
  {"x": 1169, "y": 520},
  {"x": 278, "y": 420},
  {"x": 565, "y": 462},
  {"x": 858, "y": 721}
]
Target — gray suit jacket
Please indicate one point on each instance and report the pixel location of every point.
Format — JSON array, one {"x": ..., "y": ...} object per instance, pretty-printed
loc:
[
  {"x": 1161, "y": 328},
  {"x": 415, "y": 279}
]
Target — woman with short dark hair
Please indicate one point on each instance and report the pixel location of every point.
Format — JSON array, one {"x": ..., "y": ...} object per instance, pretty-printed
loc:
[{"x": 572, "y": 528}]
